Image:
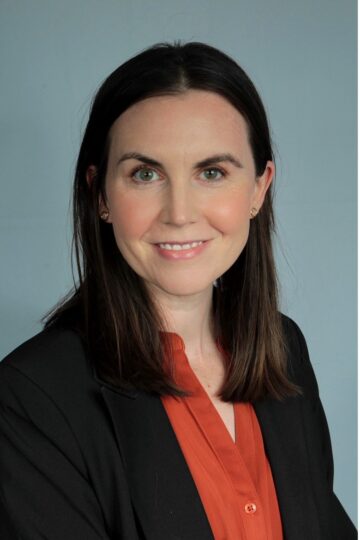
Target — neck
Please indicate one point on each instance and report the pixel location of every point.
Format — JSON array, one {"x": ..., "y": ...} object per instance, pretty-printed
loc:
[{"x": 191, "y": 318}]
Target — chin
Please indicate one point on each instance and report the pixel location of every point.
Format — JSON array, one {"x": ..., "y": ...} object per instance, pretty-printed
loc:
[{"x": 185, "y": 287}]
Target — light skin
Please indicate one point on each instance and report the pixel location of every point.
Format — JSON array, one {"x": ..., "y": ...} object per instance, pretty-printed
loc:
[{"x": 178, "y": 200}]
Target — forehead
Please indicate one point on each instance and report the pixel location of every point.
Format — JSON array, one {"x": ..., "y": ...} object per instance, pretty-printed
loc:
[{"x": 192, "y": 118}]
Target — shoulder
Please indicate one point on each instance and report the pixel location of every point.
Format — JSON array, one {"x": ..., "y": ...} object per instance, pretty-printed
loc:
[
  {"x": 46, "y": 352},
  {"x": 51, "y": 366},
  {"x": 291, "y": 330},
  {"x": 299, "y": 365},
  {"x": 48, "y": 402},
  {"x": 47, "y": 347}
]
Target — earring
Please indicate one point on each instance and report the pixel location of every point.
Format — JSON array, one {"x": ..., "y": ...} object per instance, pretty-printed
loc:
[
  {"x": 253, "y": 213},
  {"x": 104, "y": 215}
]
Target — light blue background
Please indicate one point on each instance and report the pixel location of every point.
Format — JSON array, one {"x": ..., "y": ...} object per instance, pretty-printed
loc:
[{"x": 301, "y": 56}]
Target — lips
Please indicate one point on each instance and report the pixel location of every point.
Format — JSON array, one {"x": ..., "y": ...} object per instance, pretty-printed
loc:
[
  {"x": 179, "y": 253},
  {"x": 178, "y": 247},
  {"x": 171, "y": 242}
]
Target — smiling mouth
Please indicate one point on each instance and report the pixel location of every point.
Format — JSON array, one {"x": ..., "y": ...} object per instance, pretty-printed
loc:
[{"x": 178, "y": 247}]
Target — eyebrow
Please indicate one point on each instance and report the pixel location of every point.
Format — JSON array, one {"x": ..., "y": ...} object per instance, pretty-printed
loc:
[{"x": 212, "y": 160}]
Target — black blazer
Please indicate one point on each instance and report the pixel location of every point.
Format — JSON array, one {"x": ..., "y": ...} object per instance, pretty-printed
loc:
[{"x": 82, "y": 460}]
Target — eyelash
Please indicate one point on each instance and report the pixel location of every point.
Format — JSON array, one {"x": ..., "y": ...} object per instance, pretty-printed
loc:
[{"x": 146, "y": 168}]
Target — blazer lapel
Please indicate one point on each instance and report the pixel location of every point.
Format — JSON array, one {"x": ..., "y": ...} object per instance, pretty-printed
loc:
[
  {"x": 164, "y": 495},
  {"x": 285, "y": 447},
  {"x": 165, "y": 498}
]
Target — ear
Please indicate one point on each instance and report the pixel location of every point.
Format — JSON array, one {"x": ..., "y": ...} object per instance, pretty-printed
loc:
[
  {"x": 90, "y": 175},
  {"x": 262, "y": 184}
]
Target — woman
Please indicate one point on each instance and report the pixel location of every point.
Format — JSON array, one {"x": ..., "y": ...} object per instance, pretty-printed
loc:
[{"x": 167, "y": 397}]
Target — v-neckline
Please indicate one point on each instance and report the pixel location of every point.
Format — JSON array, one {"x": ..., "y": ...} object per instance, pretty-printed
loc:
[{"x": 211, "y": 424}]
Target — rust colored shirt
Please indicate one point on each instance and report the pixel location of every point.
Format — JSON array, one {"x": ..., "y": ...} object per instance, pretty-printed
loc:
[{"x": 233, "y": 479}]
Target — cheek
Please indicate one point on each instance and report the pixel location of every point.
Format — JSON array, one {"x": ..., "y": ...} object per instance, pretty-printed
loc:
[
  {"x": 231, "y": 214},
  {"x": 131, "y": 217}
]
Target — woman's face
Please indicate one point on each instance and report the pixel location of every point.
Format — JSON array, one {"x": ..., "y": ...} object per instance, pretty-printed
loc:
[{"x": 180, "y": 169}]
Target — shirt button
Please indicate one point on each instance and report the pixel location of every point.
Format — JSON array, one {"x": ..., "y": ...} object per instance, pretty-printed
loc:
[{"x": 250, "y": 508}]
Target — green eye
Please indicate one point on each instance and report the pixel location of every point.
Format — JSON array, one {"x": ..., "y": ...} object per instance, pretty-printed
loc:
[
  {"x": 145, "y": 175},
  {"x": 213, "y": 174}
]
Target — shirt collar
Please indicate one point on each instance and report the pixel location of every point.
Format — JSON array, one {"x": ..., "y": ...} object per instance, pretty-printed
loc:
[{"x": 176, "y": 341}]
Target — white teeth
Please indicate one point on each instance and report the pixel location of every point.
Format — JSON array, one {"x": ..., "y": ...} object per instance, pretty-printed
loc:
[{"x": 178, "y": 247}]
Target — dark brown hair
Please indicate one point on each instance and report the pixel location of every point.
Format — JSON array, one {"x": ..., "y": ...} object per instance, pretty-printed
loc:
[{"x": 110, "y": 306}]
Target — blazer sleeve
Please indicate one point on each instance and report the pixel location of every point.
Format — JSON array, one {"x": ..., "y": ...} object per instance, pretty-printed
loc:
[
  {"x": 317, "y": 431},
  {"x": 44, "y": 488}
]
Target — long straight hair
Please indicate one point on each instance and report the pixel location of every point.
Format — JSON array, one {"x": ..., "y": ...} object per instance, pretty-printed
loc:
[{"x": 110, "y": 306}]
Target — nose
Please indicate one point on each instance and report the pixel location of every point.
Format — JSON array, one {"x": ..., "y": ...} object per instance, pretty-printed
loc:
[{"x": 179, "y": 205}]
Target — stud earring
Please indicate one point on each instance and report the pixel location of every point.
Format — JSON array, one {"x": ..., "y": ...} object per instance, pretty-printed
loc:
[
  {"x": 253, "y": 213},
  {"x": 104, "y": 215}
]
